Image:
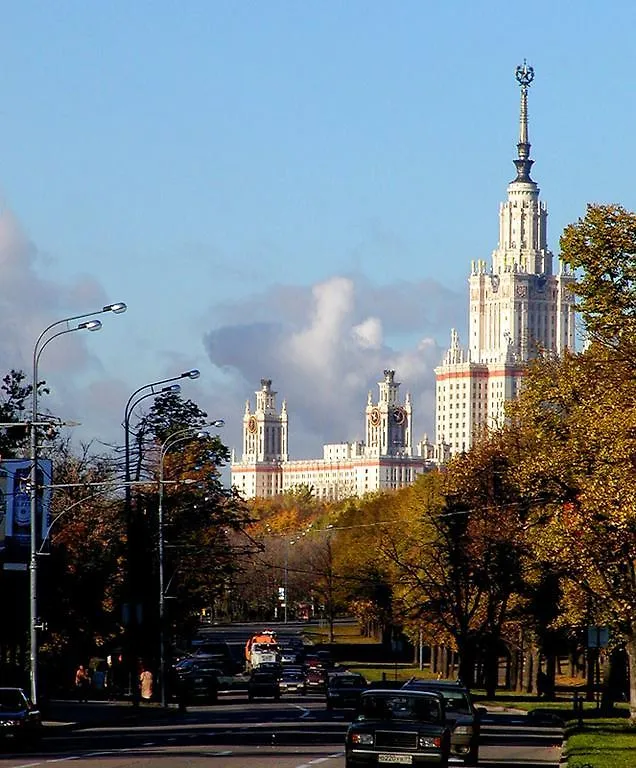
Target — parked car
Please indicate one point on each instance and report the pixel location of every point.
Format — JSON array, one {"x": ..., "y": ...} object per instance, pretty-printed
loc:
[
  {"x": 292, "y": 682},
  {"x": 344, "y": 690},
  {"x": 20, "y": 720},
  {"x": 263, "y": 685},
  {"x": 197, "y": 679},
  {"x": 404, "y": 727},
  {"x": 463, "y": 717}
]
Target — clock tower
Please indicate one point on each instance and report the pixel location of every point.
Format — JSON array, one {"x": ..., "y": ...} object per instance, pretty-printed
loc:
[
  {"x": 264, "y": 430},
  {"x": 388, "y": 422}
]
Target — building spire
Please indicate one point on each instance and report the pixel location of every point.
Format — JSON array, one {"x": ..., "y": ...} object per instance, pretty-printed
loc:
[{"x": 524, "y": 75}]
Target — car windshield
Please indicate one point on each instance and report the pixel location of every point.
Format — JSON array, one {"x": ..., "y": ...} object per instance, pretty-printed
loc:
[
  {"x": 350, "y": 681},
  {"x": 400, "y": 706},
  {"x": 11, "y": 700},
  {"x": 456, "y": 701},
  {"x": 292, "y": 676}
]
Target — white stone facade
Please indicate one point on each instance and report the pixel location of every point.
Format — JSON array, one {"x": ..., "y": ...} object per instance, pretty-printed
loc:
[
  {"x": 518, "y": 309},
  {"x": 385, "y": 460}
]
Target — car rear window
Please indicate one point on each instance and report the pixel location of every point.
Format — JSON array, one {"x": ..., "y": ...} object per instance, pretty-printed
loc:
[
  {"x": 11, "y": 700},
  {"x": 401, "y": 707}
]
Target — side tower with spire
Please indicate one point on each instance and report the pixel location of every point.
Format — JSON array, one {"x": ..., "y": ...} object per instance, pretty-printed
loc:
[
  {"x": 259, "y": 473},
  {"x": 518, "y": 309}
]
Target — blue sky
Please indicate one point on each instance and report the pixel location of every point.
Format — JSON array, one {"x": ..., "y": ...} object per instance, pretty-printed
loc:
[{"x": 281, "y": 189}]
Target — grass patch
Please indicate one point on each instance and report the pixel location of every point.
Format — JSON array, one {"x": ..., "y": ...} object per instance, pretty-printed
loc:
[
  {"x": 342, "y": 633},
  {"x": 385, "y": 671},
  {"x": 602, "y": 743}
]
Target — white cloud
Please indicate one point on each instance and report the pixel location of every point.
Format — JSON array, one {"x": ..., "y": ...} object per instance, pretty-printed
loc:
[
  {"x": 368, "y": 334},
  {"x": 324, "y": 349},
  {"x": 324, "y": 346}
]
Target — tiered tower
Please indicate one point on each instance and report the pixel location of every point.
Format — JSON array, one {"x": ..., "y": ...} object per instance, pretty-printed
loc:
[
  {"x": 385, "y": 461},
  {"x": 264, "y": 443},
  {"x": 388, "y": 422},
  {"x": 518, "y": 310}
]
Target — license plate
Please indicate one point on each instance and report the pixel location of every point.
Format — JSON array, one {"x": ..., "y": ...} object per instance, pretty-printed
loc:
[{"x": 400, "y": 759}]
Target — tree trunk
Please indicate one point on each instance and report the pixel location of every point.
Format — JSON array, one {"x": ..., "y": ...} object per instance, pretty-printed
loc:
[
  {"x": 550, "y": 677},
  {"x": 531, "y": 666},
  {"x": 630, "y": 647},
  {"x": 467, "y": 657},
  {"x": 592, "y": 661},
  {"x": 491, "y": 667},
  {"x": 433, "y": 651}
]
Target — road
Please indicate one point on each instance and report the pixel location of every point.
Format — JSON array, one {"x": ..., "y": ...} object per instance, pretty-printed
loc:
[{"x": 296, "y": 732}]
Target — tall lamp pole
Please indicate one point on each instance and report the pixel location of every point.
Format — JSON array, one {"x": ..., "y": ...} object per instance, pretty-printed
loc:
[
  {"x": 180, "y": 436},
  {"x": 42, "y": 341},
  {"x": 132, "y": 532}
]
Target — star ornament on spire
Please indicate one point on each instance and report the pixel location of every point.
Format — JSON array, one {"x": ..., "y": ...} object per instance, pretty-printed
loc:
[{"x": 524, "y": 75}]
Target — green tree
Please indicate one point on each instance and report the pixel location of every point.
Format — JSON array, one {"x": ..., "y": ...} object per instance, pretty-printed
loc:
[
  {"x": 204, "y": 521},
  {"x": 601, "y": 247}
]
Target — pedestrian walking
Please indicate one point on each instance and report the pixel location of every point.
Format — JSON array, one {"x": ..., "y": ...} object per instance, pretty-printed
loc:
[
  {"x": 82, "y": 683},
  {"x": 146, "y": 682}
]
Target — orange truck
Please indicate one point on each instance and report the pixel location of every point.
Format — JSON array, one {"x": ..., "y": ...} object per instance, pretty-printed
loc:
[{"x": 261, "y": 646}]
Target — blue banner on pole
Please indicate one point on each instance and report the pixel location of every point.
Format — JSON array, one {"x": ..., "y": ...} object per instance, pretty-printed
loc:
[{"x": 15, "y": 514}]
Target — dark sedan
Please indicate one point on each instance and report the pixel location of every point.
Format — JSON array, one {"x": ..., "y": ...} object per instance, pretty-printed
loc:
[
  {"x": 263, "y": 685},
  {"x": 398, "y": 727},
  {"x": 197, "y": 679},
  {"x": 20, "y": 721},
  {"x": 463, "y": 717},
  {"x": 344, "y": 691}
]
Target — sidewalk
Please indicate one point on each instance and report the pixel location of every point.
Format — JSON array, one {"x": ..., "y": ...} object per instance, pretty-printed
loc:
[{"x": 70, "y": 714}]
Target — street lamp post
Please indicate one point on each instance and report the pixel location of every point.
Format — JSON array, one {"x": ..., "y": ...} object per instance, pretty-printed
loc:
[
  {"x": 132, "y": 532},
  {"x": 42, "y": 341},
  {"x": 180, "y": 436}
]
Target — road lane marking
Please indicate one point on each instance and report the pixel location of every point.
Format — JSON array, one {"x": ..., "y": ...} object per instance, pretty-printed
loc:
[{"x": 318, "y": 760}]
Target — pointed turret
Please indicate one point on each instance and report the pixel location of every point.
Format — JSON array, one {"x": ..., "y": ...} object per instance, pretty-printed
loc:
[{"x": 523, "y": 163}]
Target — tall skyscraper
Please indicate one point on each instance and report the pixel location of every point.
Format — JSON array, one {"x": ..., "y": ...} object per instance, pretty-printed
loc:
[{"x": 518, "y": 309}]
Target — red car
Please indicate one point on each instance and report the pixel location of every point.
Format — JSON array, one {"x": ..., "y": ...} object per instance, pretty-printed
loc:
[{"x": 316, "y": 679}]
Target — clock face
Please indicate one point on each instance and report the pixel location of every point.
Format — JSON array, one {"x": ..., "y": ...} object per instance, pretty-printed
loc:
[
  {"x": 375, "y": 417},
  {"x": 251, "y": 424},
  {"x": 399, "y": 415}
]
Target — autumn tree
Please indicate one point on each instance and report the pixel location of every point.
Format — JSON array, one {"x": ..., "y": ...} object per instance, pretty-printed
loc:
[
  {"x": 81, "y": 578},
  {"x": 456, "y": 555},
  {"x": 575, "y": 427}
]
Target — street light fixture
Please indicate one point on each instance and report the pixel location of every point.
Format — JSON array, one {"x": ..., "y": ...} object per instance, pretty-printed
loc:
[
  {"x": 42, "y": 341},
  {"x": 133, "y": 619},
  {"x": 180, "y": 436}
]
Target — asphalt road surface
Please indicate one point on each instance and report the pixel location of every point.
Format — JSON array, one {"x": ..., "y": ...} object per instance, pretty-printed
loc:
[{"x": 295, "y": 732}]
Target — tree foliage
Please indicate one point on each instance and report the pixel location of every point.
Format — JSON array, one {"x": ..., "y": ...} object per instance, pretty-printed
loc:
[{"x": 601, "y": 247}]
